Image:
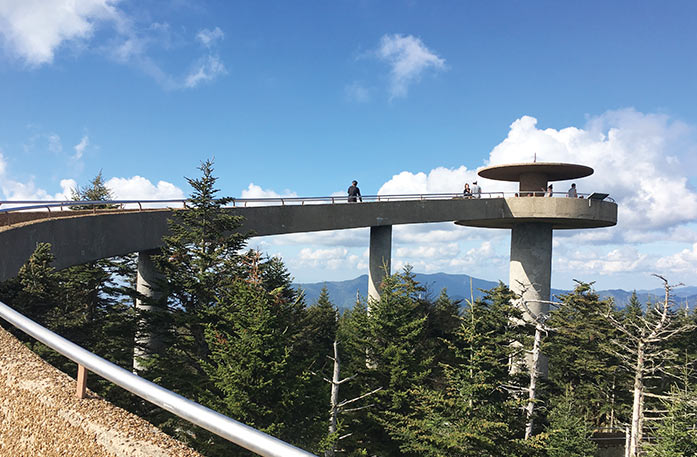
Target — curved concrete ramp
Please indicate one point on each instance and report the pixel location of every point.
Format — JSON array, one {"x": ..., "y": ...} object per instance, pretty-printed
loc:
[
  {"x": 40, "y": 415},
  {"x": 88, "y": 237}
]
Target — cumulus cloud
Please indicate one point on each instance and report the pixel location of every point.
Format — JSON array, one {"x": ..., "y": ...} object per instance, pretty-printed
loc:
[
  {"x": 450, "y": 258},
  {"x": 332, "y": 258},
  {"x": 34, "y": 29},
  {"x": 15, "y": 190},
  {"x": 255, "y": 191},
  {"x": 439, "y": 180},
  {"x": 80, "y": 147},
  {"x": 350, "y": 238},
  {"x": 636, "y": 158},
  {"x": 139, "y": 188},
  {"x": 625, "y": 259},
  {"x": 680, "y": 262},
  {"x": 408, "y": 58}
]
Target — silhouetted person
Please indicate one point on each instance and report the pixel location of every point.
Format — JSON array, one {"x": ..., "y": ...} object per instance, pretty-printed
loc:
[
  {"x": 467, "y": 192},
  {"x": 572, "y": 191},
  {"x": 354, "y": 193},
  {"x": 476, "y": 190}
]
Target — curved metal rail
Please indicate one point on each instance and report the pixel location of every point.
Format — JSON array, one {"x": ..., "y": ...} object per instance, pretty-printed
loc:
[
  {"x": 230, "y": 429},
  {"x": 66, "y": 205}
]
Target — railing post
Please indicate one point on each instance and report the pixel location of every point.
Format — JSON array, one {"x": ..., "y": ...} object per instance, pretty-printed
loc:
[{"x": 81, "y": 388}]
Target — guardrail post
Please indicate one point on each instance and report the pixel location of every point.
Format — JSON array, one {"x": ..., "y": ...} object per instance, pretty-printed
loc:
[{"x": 81, "y": 388}]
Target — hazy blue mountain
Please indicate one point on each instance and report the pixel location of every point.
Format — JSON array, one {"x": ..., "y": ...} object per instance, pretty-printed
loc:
[{"x": 344, "y": 293}]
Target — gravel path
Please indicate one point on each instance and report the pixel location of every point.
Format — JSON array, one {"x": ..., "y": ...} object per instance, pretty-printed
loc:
[{"x": 41, "y": 417}]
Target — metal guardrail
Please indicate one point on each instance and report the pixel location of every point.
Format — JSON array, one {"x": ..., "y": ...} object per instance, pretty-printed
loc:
[
  {"x": 66, "y": 205},
  {"x": 230, "y": 429}
]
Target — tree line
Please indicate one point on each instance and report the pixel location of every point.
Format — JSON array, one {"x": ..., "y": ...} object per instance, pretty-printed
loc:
[{"x": 410, "y": 374}]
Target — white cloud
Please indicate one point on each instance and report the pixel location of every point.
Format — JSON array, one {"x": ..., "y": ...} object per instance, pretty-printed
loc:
[
  {"x": 139, "y": 188},
  {"x": 332, "y": 258},
  {"x": 438, "y": 180},
  {"x": 636, "y": 158},
  {"x": 254, "y": 191},
  {"x": 684, "y": 261},
  {"x": 80, "y": 147},
  {"x": 624, "y": 259},
  {"x": 14, "y": 190},
  {"x": 209, "y": 37},
  {"x": 206, "y": 69},
  {"x": 34, "y": 29},
  {"x": 344, "y": 238},
  {"x": 440, "y": 251},
  {"x": 408, "y": 58}
]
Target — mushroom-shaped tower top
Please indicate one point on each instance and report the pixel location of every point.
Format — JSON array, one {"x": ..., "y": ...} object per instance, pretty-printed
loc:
[{"x": 533, "y": 177}]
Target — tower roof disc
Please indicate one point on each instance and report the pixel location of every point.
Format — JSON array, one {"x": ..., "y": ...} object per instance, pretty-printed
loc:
[{"x": 554, "y": 171}]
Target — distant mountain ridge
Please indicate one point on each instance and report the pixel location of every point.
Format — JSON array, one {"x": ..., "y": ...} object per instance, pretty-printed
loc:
[{"x": 344, "y": 293}]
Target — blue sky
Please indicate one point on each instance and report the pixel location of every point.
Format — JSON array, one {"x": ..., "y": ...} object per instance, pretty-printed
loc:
[{"x": 299, "y": 98}]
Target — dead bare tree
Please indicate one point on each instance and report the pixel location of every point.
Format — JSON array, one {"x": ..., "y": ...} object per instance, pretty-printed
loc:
[
  {"x": 643, "y": 351},
  {"x": 337, "y": 407},
  {"x": 541, "y": 331}
]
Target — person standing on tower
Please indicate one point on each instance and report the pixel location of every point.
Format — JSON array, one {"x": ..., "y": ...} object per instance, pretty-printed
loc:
[
  {"x": 476, "y": 190},
  {"x": 354, "y": 193},
  {"x": 572, "y": 191}
]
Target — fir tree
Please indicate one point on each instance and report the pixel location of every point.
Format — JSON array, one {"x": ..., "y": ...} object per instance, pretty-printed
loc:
[
  {"x": 568, "y": 433},
  {"x": 472, "y": 413},
  {"x": 581, "y": 357},
  {"x": 676, "y": 434}
]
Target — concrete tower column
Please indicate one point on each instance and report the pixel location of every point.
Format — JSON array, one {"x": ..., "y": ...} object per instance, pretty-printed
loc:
[
  {"x": 380, "y": 258},
  {"x": 531, "y": 264},
  {"x": 531, "y": 273},
  {"x": 147, "y": 340}
]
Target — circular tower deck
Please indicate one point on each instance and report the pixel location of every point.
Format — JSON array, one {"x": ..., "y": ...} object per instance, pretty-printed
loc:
[{"x": 532, "y": 217}]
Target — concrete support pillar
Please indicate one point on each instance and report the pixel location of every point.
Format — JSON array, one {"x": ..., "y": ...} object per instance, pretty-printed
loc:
[
  {"x": 380, "y": 258},
  {"x": 531, "y": 264},
  {"x": 148, "y": 341},
  {"x": 531, "y": 272}
]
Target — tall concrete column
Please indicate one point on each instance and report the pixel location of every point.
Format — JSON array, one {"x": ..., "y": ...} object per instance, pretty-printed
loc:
[
  {"x": 531, "y": 273},
  {"x": 531, "y": 264},
  {"x": 148, "y": 341},
  {"x": 380, "y": 258}
]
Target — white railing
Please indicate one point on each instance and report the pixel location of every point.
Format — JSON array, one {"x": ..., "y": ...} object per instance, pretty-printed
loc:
[
  {"x": 230, "y": 429},
  {"x": 66, "y": 205}
]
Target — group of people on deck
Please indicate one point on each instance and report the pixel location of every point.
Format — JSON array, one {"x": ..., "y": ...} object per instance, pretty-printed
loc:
[
  {"x": 474, "y": 192},
  {"x": 354, "y": 193}
]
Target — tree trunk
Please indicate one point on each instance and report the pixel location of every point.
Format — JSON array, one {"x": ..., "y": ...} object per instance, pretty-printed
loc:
[
  {"x": 334, "y": 401},
  {"x": 637, "y": 405},
  {"x": 532, "y": 390}
]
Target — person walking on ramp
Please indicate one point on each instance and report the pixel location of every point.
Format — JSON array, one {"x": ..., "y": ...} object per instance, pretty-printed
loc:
[{"x": 354, "y": 193}]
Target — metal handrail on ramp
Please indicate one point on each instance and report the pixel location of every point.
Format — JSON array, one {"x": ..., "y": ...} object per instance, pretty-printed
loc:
[{"x": 230, "y": 429}]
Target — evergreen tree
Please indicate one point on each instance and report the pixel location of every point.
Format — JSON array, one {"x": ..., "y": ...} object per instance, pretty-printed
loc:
[
  {"x": 97, "y": 190},
  {"x": 581, "y": 357},
  {"x": 472, "y": 413},
  {"x": 676, "y": 434},
  {"x": 237, "y": 331},
  {"x": 200, "y": 259},
  {"x": 568, "y": 433}
]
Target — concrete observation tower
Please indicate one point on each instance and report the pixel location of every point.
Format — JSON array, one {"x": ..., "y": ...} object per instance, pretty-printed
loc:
[{"x": 532, "y": 217}]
